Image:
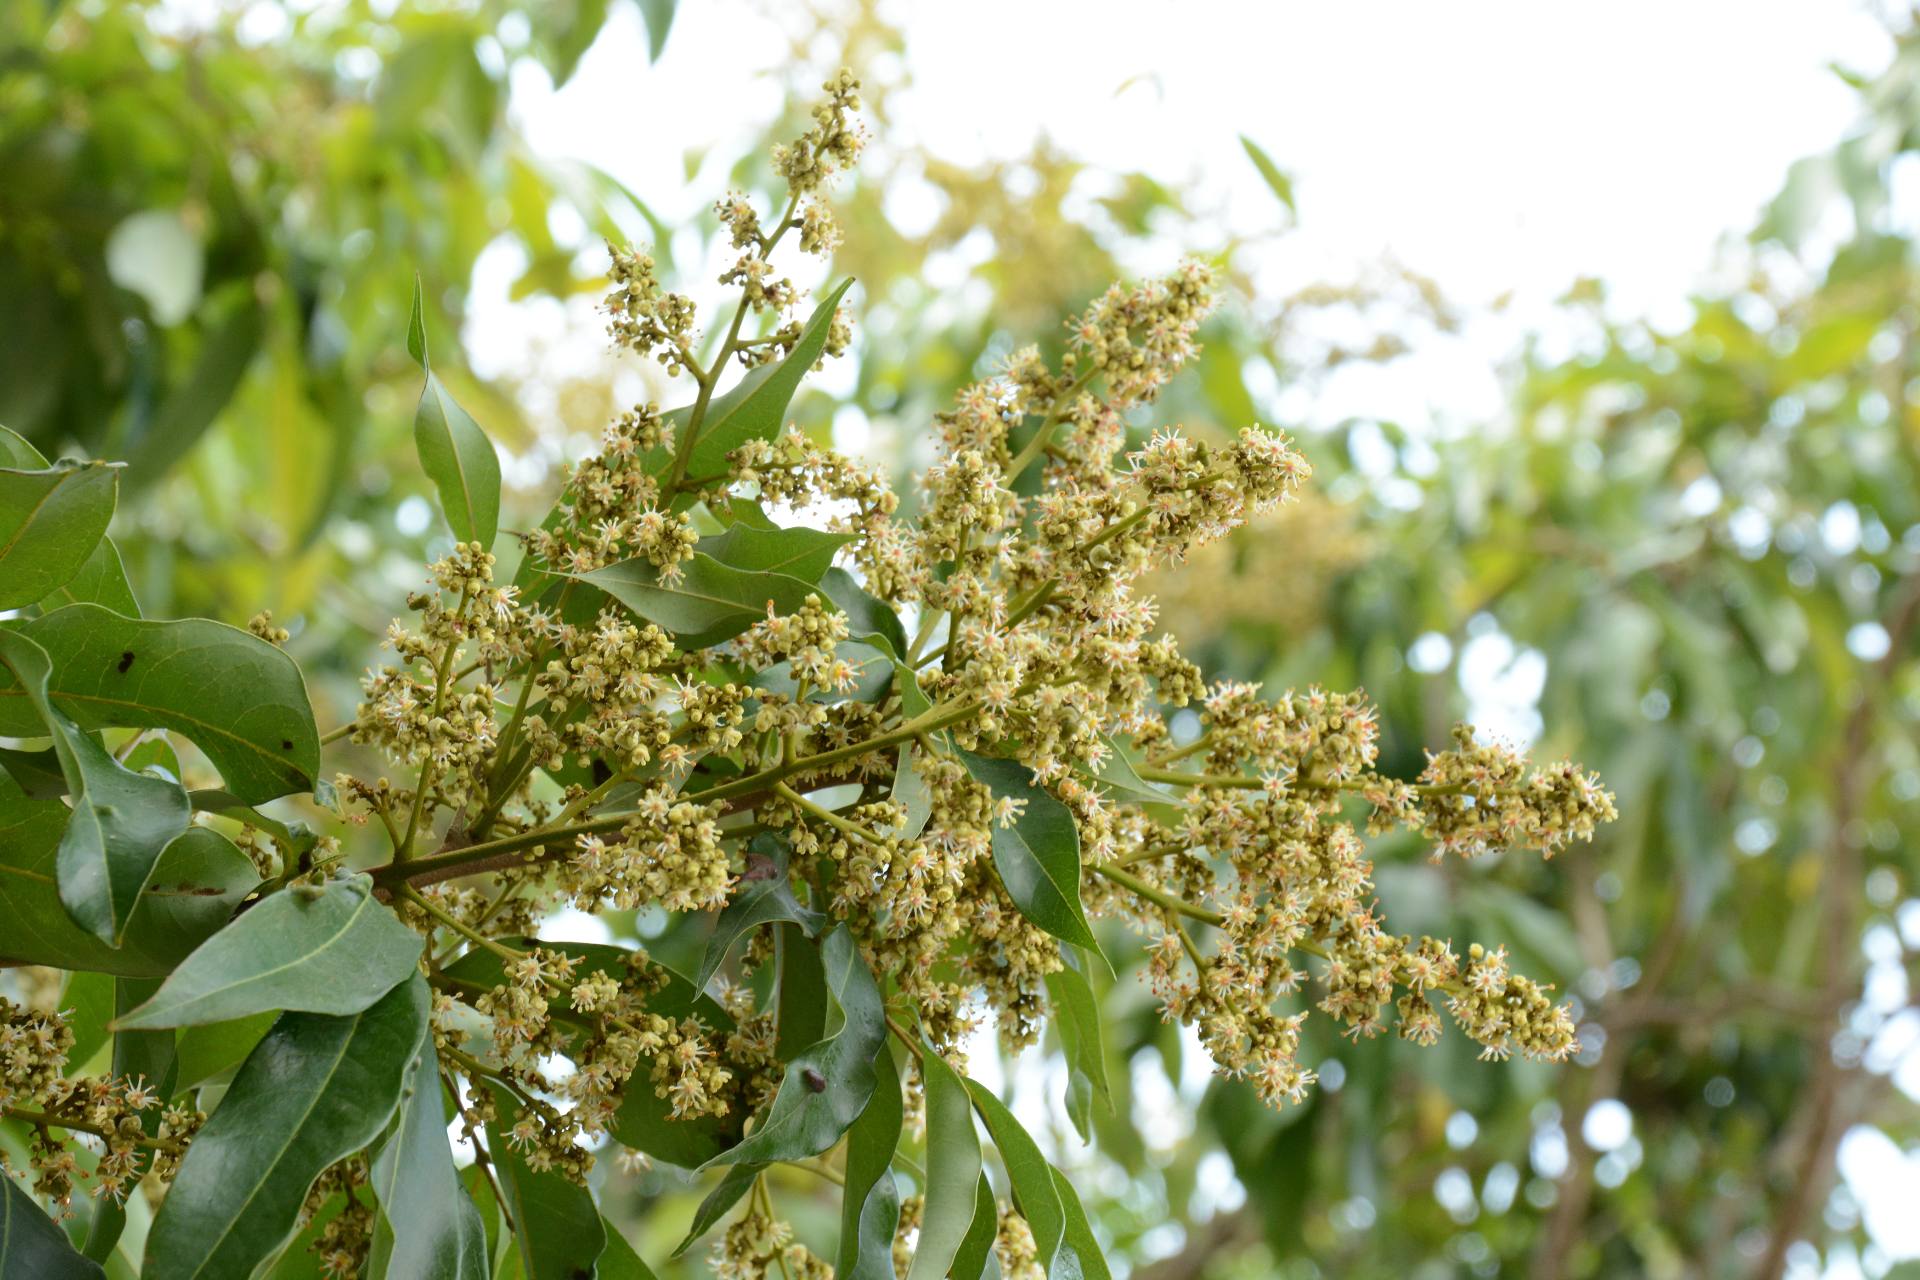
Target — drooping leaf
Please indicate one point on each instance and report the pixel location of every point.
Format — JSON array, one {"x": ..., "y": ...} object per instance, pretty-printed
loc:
[
  {"x": 1038, "y": 855},
  {"x": 120, "y": 822},
  {"x": 87, "y": 1003},
  {"x": 803, "y": 553},
  {"x": 318, "y": 1088},
  {"x": 454, "y": 452},
  {"x": 36, "y": 773},
  {"x": 1027, "y": 1168},
  {"x": 717, "y": 1202},
  {"x": 32, "y": 1246},
  {"x": 1276, "y": 179},
  {"x": 1076, "y": 1016},
  {"x": 953, "y": 1169},
  {"x": 764, "y": 895},
  {"x": 427, "y": 1227},
  {"x": 557, "y": 1231},
  {"x": 51, "y": 519},
  {"x": 1080, "y": 1254},
  {"x": 974, "y": 1259},
  {"x": 196, "y": 884},
  {"x": 827, "y": 1086},
  {"x": 239, "y": 699},
  {"x": 708, "y": 603},
  {"x": 336, "y": 949},
  {"x": 870, "y": 1202},
  {"x": 755, "y": 408}
]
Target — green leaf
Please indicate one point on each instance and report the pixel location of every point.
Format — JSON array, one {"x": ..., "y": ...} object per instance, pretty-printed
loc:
[
  {"x": 193, "y": 404},
  {"x": 870, "y": 1202},
  {"x": 953, "y": 1169},
  {"x": 803, "y": 553},
  {"x": 620, "y": 1262},
  {"x": 317, "y": 1089},
  {"x": 828, "y": 1085},
  {"x": 196, "y": 884},
  {"x": 1276, "y": 179},
  {"x": 454, "y": 452},
  {"x": 868, "y": 618},
  {"x": 101, "y": 580},
  {"x": 32, "y": 1246},
  {"x": 239, "y": 699},
  {"x": 801, "y": 1000},
  {"x": 206, "y": 1051},
  {"x": 87, "y": 1004},
  {"x": 1076, "y": 1016},
  {"x": 17, "y": 452},
  {"x": 764, "y": 895},
  {"x": 1028, "y": 1170},
  {"x": 717, "y": 1202},
  {"x": 36, "y": 773},
  {"x": 912, "y": 793},
  {"x": 334, "y": 949},
  {"x": 1121, "y": 782},
  {"x": 709, "y": 602},
  {"x": 755, "y": 408},
  {"x": 428, "y": 1227},
  {"x": 659, "y": 15},
  {"x": 1080, "y": 1254},
  {"x": 50, "y": 521},
  {"x": 557, "y": 1230},
  {"x": 1038, "y": 857},
  {"x": 974, "y": 1258},
  {"x": 121, "y": 821}
]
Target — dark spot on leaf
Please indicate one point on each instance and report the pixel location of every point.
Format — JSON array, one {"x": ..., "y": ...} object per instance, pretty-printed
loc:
[
  {"x": 286, "y": 744},
  {"x": 815, "y": 1082},
  {"x": 759, "y": 867},
  {"x": 126, "y": 660}
]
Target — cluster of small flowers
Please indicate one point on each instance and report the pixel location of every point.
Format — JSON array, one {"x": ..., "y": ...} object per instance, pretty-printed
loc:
[
  {"x": 758, "y": 1246},
  {"x": 261, "y": 625},
  {"x": 1480, "y": 796},
  {"x": 344, "y": 1241},
  {"x": 643, "y": 317},
  {"x": 110, "y": 1112},
  {"x": 669, "y": 853},
  {"x": 832, "y": 144},
  {"x": 602, "y": 685},
  {"x": 1137, "y": 335}
]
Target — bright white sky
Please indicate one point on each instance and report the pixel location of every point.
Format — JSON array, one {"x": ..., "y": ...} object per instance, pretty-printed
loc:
[{"x": 1497, "y": 146}]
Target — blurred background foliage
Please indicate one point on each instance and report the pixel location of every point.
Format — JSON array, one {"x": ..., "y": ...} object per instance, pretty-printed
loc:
[{"x": 1689, "y": 557}]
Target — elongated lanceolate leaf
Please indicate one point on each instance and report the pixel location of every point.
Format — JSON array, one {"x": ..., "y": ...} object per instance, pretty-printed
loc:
[
  {"x": 1027, "y": 1168},
  {"x": 1076, "y": 1016},
  {"x": 454, "y": 452},
  {"x": 953, "y": 1168},
  {"x": 1038, "y": 854},
  {"x": 870, "y": 1203},
  {"x": 1080, "y": 1253},
  {"x": 50, "y": 521},
  {"x": 239, "y": 699},
  {"x": 428, "y": 1227},
  {"x": 974, "y": 1259},
  {"x": 717, "y": 1202},
  {"x": 318, "y": 1088},
  {"x": 336, "y": 949},
  {"x": 804, "y": 553},
  {"x": 121, "y": 821}
]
